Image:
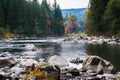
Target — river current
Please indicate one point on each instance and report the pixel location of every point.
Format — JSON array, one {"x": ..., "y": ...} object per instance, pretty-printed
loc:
[{"x": 54, "y": 46}]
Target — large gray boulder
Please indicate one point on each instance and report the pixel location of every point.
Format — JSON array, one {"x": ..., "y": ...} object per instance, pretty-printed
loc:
[
  {"x": 97, "y": 64},
  {"x": 58, "y": 60},
  {"x": 28, "y": 62},
  {"x": 7, "y": 62}
]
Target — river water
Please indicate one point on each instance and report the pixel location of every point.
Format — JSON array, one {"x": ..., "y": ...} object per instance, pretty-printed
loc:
[{"x": 50, "y": 47}]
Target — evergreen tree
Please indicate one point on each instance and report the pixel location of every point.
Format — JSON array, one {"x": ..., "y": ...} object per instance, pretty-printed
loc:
[
  {"x": 94, "y": 18},
  {"x": 46, "y": 18},
  {"x": 13, "y": 15},
  {"x": 112, "y": 16},
  {"x": 57, "y": 27},
  {"x": 29, "y": 18},
  {"x": 1, "y": 15},
  {"x": 4, "y": 4}
]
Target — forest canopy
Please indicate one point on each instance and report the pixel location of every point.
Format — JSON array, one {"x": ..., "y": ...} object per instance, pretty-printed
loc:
[
  {"x": 103, "y": 18},
  {"x": 30, "y": 18}
]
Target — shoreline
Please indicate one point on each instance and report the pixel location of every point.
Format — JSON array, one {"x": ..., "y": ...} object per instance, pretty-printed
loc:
[
  {"x": 16, "y": 66},
  {"x": 18, "y": 69}
]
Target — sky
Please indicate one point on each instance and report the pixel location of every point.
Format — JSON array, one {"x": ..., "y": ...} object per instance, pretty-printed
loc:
[{"x": 67, "y": 4}]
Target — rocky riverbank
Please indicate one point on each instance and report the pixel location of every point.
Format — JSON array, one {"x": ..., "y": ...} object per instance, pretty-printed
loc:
[
  {"x": 27, "y": 67},
  {"x": 57, "y": 68},
  {"x": 93, "y": 40},
  {"x": 78, "y": 39}
]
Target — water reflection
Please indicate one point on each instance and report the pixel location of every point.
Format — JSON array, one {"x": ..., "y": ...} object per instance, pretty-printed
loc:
[
  {"x": 73, "y": 50},
  {"x": 68, "y": 50},
  {"x": 108, "y": 52},
  {"x": 48, "y": 49}
]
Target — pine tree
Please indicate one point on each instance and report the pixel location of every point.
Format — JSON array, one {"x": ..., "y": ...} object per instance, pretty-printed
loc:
[
  {"x": 112, "y": 16},
  {"x": 57, "y": 27},
  {"x": 46, "y": 18},
  {"x": 1, "y": 15},
  {"x": 95, "y": 17},
  {"x": 4, "y": 4},
  {"x": 29, "y": 18}
]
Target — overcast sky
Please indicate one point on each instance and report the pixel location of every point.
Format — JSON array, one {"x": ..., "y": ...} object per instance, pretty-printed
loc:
[{"x": 67, "y": 4}]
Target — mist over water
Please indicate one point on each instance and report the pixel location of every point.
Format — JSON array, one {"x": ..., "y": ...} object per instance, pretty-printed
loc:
[{"x": 49, "y": 47}]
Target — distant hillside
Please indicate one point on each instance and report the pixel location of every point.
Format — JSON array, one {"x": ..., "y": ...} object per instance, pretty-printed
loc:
[{"x": 80, "y": 13}]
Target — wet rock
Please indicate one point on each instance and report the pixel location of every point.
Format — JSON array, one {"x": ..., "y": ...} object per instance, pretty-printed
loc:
[
  {"x": 2, "y": 77},
  {"x": 52, "y": 71},
  {"x": 76, "y": 61},
  {"x": 68, "y": 39},
  {"x": 17, "y": 70},
  {"x": 6, "y": 61},
  {"x": 78, "y": 78},
  {"x": 69, "y": 73},
  {"x": 117, "y": 76},
  {"x": 58, "y": 60},
  {"x": 97, "y": 64},
  {"x": 30, "y": 47},
  {"x": 74, "y": 71},
  {"x": 91, "y": 73},
  {"x": 28, "y": 62},
  {"x": 93, "y": 78},
  {"x": 109, "y": 77},
  {"x": 66, "y": 77}
]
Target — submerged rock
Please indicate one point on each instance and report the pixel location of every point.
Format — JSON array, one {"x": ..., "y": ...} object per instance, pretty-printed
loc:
[
  {"x": 76, "y": 61},
  {"x": 58, "y": 60},
  {"x": 30, "y": 47},
  {"x": 97, "y": 64}
]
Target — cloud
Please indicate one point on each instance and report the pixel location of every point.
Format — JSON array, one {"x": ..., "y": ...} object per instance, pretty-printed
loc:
[{"x": 66, "y": 4}]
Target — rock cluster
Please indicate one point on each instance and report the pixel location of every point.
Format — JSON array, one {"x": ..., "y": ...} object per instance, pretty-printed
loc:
[
  {"x": 97, "y": 64},
  {"x": 93, "y": 40},
  {"x": 93, "y": 68}
]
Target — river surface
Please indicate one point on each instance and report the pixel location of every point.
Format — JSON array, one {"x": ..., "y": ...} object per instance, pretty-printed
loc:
[{"x": 50, "y": 47}]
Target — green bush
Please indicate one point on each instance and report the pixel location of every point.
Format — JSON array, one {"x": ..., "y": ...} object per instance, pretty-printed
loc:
[{"x": 2, "y": 32}]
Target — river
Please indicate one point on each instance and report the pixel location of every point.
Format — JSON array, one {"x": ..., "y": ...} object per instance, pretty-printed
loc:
[{"x": 54, "y": 46}]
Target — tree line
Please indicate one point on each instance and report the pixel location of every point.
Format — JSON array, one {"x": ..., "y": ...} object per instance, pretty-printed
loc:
[
  {"x": 30, "y": 18},
  {"x": 103, "y": 18}
]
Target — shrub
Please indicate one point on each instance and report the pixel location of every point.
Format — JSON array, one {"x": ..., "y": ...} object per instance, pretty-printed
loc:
[{"x": 2, "y": 32}]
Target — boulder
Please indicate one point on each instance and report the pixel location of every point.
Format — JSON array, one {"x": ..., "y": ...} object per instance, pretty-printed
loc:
[
  {"x": 58, "y": 60},
  {"x": 73, "y": 71},
  {"x": 6, "y": 61},
  {"x": 52, "y": 71},
  {"x": 28, "y": 62},
  {"x": 97, "y": 64},
  {"x": 30, "y": 47},
  {"x": 2, "y": 77}
]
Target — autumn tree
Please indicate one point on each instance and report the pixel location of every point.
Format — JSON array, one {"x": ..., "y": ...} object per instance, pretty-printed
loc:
[{"x": 72, "y": 24}]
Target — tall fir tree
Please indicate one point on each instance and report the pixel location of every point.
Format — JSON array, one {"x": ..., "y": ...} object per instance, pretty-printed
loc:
[
  {"x": 95, "y": 16},
  {"x": 112, "y": 17},
  {"x": 29, "y": 18},
  {"x": 1, "y": 15},
  {"x": 57, "y": 27},
  {"x": 4, "y": 4}
]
